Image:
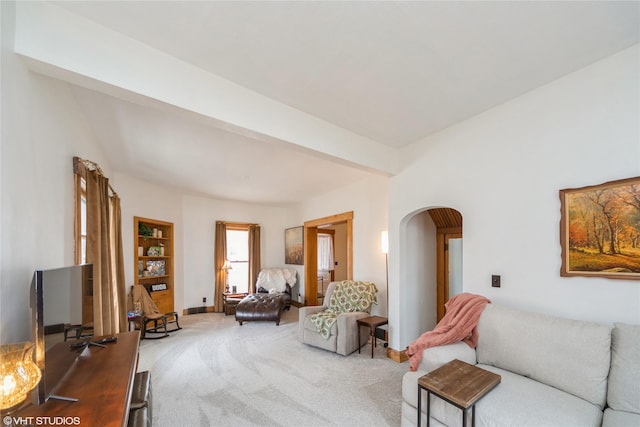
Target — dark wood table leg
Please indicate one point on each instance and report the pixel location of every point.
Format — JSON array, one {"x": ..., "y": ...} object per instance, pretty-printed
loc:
[
  {"x": 419, "y": 403},
  {"x": 429, "y": 408},
  {"x": 473, "y": 416},
  {"x": 464, "y": 417},
  {"x": 372, "y": 331}
]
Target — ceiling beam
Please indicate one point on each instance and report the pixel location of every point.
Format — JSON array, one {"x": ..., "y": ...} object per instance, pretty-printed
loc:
[{"x": 66, "y": 46}]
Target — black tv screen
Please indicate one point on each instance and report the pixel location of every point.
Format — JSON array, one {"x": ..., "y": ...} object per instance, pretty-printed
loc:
[{"x": 62, "y": 309}]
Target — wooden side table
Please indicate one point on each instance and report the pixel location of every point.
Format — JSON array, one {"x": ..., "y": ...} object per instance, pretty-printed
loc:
[
  {"x": 372, "y": 322},
  {"x": 459, "y": 384},
  {"x": 231, "y": 300},
  {"x": 136, "y": 322}
]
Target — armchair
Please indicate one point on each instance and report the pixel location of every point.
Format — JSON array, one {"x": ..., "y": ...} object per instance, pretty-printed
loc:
[{"x": 348, "y": 301}]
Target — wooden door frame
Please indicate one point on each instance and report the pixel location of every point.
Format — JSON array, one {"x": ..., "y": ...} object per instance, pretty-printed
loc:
[
  {"x": 311, "y": 252},
  {"x": 442, "y": 265}
]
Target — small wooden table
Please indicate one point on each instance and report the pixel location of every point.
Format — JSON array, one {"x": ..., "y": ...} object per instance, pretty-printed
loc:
[
  {"x": 137, "y": 322},
  {"x": 459, "y": 384},
  {"x": 372, "y": 322},
  {"x": 230, "y": 300}
]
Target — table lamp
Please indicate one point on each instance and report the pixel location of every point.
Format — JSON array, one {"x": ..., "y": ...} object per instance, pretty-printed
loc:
[
  {"x": 226, "y": 267},
  {"x": 18, "y": 373}
]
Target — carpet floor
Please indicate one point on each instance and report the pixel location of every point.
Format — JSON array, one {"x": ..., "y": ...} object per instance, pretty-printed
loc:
[{"x": 215, "y": 372}]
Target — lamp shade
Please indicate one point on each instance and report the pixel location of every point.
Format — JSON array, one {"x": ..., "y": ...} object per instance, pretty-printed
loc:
[
  {"x": 18, "y": 373},
  {"x": 384, "y": 242},
  {"x": 227, "y": 265}
]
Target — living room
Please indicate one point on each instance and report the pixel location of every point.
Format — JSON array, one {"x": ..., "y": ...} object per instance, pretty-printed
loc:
[{"x": 502, "y": 169}]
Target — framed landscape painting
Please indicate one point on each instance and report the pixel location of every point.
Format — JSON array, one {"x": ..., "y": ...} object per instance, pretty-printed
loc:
[
  {"x": 294, "y": 246},
  {"x": 600, "y": 230}
]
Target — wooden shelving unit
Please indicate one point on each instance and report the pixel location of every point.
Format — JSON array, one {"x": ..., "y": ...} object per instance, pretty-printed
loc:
[{"x": 153, "y": 263}]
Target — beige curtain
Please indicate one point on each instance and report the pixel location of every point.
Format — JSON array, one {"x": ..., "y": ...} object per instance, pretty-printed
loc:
[
  {"x": 104, "y": 251},
  {"x": 118, "y": 288},
  {"x": 219, "y": 257},
  {"x": 254, "y": 256}
]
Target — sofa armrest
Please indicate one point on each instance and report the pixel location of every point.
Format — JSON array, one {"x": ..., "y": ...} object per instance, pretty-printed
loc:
[
  {"x": 348, "y": 332},
  {"x": 434, "y": 357},
  {"x": 303, "y": 312},
  {"x": 350, "y": 320},
  {"x": 309, "y": 310}
]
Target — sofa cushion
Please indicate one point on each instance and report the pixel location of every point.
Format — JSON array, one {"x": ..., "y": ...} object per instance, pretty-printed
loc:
[
  {"x": 516, "y": 401},
  {"x": 410, "y": 387},
  {"x": 520, "y": 401},
  {"x": 571, "y": 355},
  {"x": 620, "y": 419},
  {"x": 624, "y": 378},
  {"x": 434, "y": 357}
]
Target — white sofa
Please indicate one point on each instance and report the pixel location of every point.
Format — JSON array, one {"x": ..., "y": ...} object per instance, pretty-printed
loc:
[{"x": 555, "y": 372}]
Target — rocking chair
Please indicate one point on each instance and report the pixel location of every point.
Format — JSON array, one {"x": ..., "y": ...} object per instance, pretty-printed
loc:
[{"x": 151, "y": 313}]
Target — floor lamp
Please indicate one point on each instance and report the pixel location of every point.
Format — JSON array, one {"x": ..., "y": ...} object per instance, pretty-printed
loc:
[{"x": 384, "y": 245}]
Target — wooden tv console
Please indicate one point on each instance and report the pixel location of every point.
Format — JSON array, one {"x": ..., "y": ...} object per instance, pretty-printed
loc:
[{"x": 101, "y": 379}]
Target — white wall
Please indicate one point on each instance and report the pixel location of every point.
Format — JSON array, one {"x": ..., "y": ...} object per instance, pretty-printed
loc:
[
  {"x": 147, "y": 200},
  {"x": 42, "y": 129},
  {"x": 194, "y": 218},
  {"x": 200, "y": 215},
  {"x": 502, "y": 170},
  {"x": 368, "y": 201}
]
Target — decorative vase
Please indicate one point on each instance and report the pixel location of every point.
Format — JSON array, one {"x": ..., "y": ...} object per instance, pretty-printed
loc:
[{"x": 18, "y": 373}]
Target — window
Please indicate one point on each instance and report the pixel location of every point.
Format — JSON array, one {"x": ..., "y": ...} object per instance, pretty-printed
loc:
[
  {"x": 238, "y": 256},
  {"x": 81, "y": 220},
  {"x": 325, "y": 252}
]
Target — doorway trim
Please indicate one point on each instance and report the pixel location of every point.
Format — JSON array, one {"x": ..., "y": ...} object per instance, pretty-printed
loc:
[
  {"x": 311, "y": 252},
  {"x": 448, "y": 222}
]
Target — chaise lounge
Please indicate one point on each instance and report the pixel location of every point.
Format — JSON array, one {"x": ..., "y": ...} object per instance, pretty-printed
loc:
[{"x": 271, "y": 299}]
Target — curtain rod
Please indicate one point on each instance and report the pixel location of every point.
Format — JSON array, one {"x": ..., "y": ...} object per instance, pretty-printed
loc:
[
  {"x": 89, "y": 165},
  {"x": 242, "y": 224}
]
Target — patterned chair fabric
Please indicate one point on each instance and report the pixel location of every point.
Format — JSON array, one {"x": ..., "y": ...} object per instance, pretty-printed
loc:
[{"x": 333, "y": 326}]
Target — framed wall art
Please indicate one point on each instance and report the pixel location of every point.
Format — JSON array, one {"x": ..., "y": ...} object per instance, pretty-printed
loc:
[
  {"x": 294, "y": 245},
  {"x": 600, "y": 230}
]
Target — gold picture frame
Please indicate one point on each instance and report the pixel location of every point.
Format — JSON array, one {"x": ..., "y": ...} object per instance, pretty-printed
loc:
[{"x": 600, "y": 230}]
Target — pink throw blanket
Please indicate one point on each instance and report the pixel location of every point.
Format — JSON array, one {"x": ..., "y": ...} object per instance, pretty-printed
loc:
[{"x": 458, "y": 324}]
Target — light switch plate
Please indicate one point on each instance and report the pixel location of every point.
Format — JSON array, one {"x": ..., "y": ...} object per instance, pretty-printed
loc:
[{"x": 495, "y": 281}]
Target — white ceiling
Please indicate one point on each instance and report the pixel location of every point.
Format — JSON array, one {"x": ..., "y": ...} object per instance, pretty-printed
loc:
[{"x": 393, "y": 72}]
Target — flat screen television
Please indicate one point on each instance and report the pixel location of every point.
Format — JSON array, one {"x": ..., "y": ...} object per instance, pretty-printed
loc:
[{"x": 62, "y": 309}]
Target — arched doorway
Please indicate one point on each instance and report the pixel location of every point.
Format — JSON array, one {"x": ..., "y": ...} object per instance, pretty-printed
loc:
[{"x": 430, "y": 267}]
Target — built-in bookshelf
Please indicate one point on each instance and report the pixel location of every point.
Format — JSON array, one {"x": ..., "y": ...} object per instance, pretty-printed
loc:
[{"x": 153, "y": 260}]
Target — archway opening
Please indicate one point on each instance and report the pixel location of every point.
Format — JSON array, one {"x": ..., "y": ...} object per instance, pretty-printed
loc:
[{"x": 431, "y": 267}]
